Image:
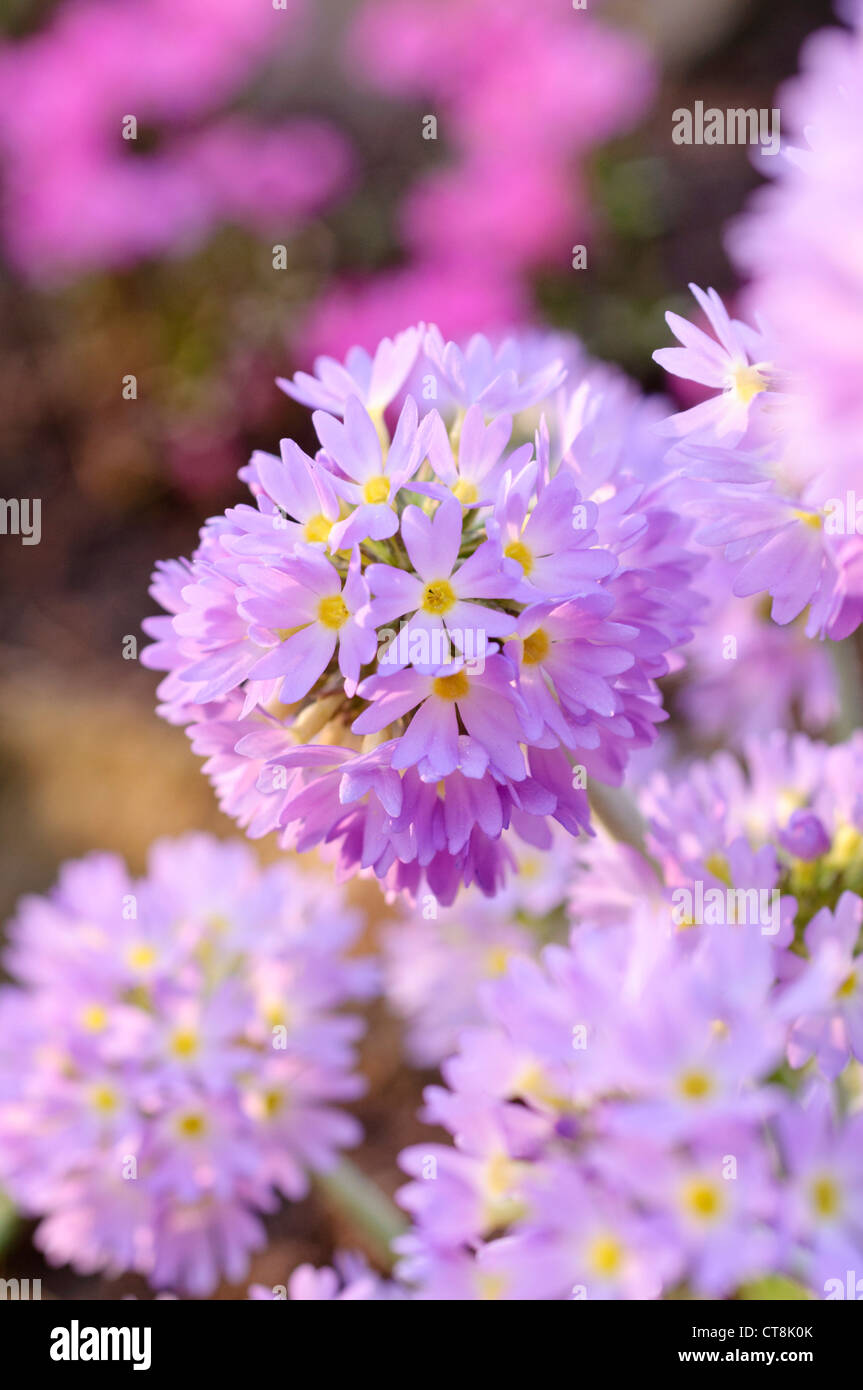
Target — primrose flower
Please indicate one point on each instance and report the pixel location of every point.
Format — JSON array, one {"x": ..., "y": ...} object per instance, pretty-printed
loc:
[
  {"x": 373, "y": 380},
  {"x": 412, "y": 644},
  {"x": 666, "y": 1106},
  {"x": 661, "y": 1107},
  {"x": 319, "y": 614},
  {"x": 733, "y": 362},
  {"x": 775, "y": 459},
  {"x": 172, "y": 1061}
]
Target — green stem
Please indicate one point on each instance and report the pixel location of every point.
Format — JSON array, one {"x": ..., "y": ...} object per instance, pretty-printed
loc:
[
  {"x": 350, "y": 1193},
  {"x": 9, "y": 1222}
]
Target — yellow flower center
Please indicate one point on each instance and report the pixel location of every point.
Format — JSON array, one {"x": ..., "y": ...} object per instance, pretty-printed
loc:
[
  {"x": 536, "y": 647},
  {"x": 695, "y": 1085},
  {"x": 271, "y": 1103},
  {"x": 787, "y": 802},
  {"x": 500, "y": 1205},
  {"x": 703, "y": 1199},
  {"x": 517, "y": 550},
  {"x": 811, "y": 519},
  {"x": 490, "y": 1286},
  {"x": 332, "y": 612},
  {"x": 438, "y": 597},
  {"x": 104, "y": 1100},
  {"x": 825, "y": 1197},
  {"x": 496, "y": 960},
  {"x": 466, "y": 492},
  {"x": 94, "y": 1018},
  {"x": 847, "y": 987},
  {"x": 191, "y": 1126},
  {"x": 847, "y": 846},
  {"x": 184, "y": 1043},
  {"x": 718, "y": 865},
  {"x": 142, "y": 956},
  {"x": 276, "y": 1013},
  {"x": 747, "y": 383},
  {"x": 453, "y": 687},
  {"x": 376, "y": 489},
  {"x": 605, "y": 1257},
  {"x": 317, "y": 528}
]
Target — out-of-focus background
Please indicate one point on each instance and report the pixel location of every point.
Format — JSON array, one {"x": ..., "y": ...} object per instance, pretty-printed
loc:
[{"x": 204, "y": 194}]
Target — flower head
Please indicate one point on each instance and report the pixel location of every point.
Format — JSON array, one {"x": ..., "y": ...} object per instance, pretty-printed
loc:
[
  {"x": 413, "y": 644},
  {"x": 172, "y": 1060}
]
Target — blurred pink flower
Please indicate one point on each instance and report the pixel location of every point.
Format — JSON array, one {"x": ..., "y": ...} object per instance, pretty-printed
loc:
[
  {"x": 520, "y": 90},
  {"x": 78, "y": 195},
  {"x": 362, "y": 312}
]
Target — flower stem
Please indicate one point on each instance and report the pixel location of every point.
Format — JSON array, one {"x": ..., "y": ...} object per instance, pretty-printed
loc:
[
  {"x": 9, "y": 1222},
  {"x": 352, "y": 1195}
]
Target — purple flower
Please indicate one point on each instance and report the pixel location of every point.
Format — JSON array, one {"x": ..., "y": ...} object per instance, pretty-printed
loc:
[
  {"x": 195, "y": 1064},
  {"x": 374, "y": 380},
  {"x": 485, "y": 704},
  {"x": 625, "y": 1122},
  {"x": 439, "y": 591},
  {"x": 746, "y": 677},
  {"x": 413, "y": 646},
  {"x": 350, "y": 1281},
  {"x": 435, "y": 963},
  {"x": 367, "y": 481},
  {"x": 305, "y": 596},
  {"x": 776, "y": 458},
  {"x": 824, "y": 1196},
  {"x": 734, "y": 363}
]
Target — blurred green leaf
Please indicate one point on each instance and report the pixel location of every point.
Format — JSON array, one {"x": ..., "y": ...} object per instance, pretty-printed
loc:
[{"x": 774, "y": 1288}]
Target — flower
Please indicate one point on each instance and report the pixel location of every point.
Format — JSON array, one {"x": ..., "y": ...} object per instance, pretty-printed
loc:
[
  {"x": 435, "y": 963},
  {"x": 350, "y": 1281},
  {"x": 734, "y": 364},
  {"x": 661, "y": 1107},
  {"x": 86, "y": 198},
  {"x": 745, "y": 676},
  {"x": 320, "y": 615},
  {"x": 776, "y": 457},
  {"x": 537, "y": 600},
  {"x": 172, "y": 1060}
]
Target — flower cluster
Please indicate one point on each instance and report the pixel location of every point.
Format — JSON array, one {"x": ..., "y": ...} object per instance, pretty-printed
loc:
[
  {"x": 79, "y": 194},
  {"x": 670, "y": 1104},
  {"x": 171, "y": 1059},
  {"x": 415, "y": 641},
  {"x": 777, "y": 451}
]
